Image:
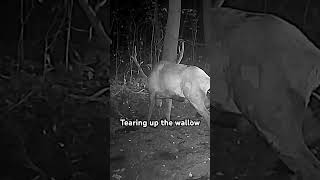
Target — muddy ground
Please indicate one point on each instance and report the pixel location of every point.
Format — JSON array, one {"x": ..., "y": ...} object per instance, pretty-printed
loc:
[{"x": 183, "y": 152}]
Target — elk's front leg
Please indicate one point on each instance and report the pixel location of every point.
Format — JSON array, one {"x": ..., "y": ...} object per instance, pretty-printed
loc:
[
  {"x": 197, "y": 98},
  {"x": 283, "y": 130},
  {"x": 199, "y": 105},
  {"x": 277, "y": 111}
]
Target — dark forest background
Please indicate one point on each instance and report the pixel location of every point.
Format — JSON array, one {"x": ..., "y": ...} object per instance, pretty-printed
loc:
[{"x": 56, "y": 71}]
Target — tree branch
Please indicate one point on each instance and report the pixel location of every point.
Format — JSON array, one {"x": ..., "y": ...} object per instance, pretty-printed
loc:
[{"x": 96, "y": 24}]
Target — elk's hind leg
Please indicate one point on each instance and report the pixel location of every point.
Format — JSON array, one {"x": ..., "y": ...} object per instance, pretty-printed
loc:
[{"x": 152, "y": 97}]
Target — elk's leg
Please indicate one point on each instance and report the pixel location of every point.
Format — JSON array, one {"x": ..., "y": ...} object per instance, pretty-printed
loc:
[
  {"x": 197, "y": 99},
  {"x": 287, "y": 139},
  {"x": 201, "y": 109},
  {"x": 151, "y": 105},
  {"x": 159, "y": 103},
  {"x": 169, "y": 106},
  {"x": 281, "y": 124},
  {"x": 278, "y": 113}
]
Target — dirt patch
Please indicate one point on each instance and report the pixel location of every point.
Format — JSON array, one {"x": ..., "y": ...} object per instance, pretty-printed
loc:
[{"x": 162, "y": 152}]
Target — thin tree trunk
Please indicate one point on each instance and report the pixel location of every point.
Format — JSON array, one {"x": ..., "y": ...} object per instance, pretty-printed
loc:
[{"x": 206, "y": 4}]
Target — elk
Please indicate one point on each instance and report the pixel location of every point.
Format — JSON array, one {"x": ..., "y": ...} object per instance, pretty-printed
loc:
[
  {"x": 266, "y": 69},
  {"x": 173, "y": 81}
]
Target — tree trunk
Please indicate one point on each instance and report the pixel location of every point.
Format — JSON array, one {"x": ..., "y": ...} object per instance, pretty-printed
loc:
[
  {"x": 157, "y": 35},
  {"x": 172, "y": 31},
  {"x": 206, "y": 4}
]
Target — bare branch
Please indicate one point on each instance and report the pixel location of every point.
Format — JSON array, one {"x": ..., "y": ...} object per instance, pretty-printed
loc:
[
  {"x": 134, "y": 58},
  {"x": 218, "y": 3},
  {"x": 70, "y": 8},
  {"x": 99, "y": 5},
  {"x": 96, "y": 24},
  {"x": 306, "y": 12},
  {"x": 181, "y": 52}
]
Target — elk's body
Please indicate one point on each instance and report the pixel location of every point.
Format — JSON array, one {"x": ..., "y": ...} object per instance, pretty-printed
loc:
[
  {"x": 266, "y": 68},
  {"x": 171, "y": 81}
]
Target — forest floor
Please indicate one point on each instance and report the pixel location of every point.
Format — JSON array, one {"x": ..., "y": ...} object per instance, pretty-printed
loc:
[
  {"x": 162, "y": 152},
  {"x": 48, "y": 125}
]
